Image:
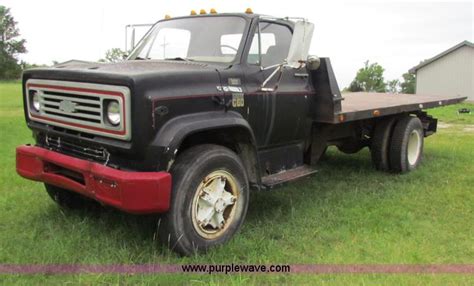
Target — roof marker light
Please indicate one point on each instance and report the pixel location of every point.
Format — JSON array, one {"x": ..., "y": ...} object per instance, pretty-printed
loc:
[
  {"x": 167, "y": 16},
  {"x": 202, "y": 12},
  {"x": 193, "y": 13},
  {"x": 248, "y": 11},
  {"x": 213, "y": 11}
]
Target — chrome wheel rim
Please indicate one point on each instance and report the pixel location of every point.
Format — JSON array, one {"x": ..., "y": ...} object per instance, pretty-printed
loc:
[
  {"x": 214, "y": 204},
  {"x": 414, "y": 147}
]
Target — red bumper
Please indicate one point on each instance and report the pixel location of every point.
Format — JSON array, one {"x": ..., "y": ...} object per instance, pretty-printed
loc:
[{"x": 133, "y": 192}]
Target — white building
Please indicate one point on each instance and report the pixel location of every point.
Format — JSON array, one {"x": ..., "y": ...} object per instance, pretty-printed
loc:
[{"x": 449, "y": 73}]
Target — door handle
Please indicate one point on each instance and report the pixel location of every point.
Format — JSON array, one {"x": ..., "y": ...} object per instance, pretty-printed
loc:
[{"x": 302, "y": 75}]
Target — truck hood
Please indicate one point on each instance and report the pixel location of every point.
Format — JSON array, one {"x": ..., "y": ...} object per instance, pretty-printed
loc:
[
  {"x": 133, "y": 67},
  {"x": 127, "y": 72},
  {"x": 152, "y": 83}
]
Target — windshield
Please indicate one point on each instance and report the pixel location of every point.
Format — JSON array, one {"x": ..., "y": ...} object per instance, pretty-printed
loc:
[{"x": 207, "y": 39}]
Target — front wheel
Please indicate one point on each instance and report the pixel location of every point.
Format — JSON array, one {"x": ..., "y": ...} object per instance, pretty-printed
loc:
[{"x": 209, "y": 200}]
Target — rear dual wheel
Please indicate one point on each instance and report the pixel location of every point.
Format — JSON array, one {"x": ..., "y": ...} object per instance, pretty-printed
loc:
[
  {"x": 406, "y": 147},
  {"x": 397, "y": 144},
  {"x": 380, "y": 145}
]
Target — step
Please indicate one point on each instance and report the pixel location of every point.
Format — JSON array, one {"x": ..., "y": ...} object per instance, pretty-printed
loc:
[{"x": 274, "y": 180}]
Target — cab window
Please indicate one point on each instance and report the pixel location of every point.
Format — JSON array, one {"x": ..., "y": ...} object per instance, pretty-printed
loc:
[{"x": 275, "y": 42}]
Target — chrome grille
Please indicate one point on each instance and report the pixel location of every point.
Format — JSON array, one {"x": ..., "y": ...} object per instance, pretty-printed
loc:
[{"x": 80, "y": 106}]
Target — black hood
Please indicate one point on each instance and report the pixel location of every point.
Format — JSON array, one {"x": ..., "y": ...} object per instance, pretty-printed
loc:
[
  {"x": 126, "y": 72},
  {"x": 136, "y": 67},
  {"x": 151, "y": 83}
]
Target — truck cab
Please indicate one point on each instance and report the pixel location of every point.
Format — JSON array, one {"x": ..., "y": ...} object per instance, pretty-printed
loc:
[{"x": 206, "y": 108}]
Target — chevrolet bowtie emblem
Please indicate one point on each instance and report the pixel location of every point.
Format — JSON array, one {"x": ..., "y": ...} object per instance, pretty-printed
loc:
[{"x": 67, "y": 106}]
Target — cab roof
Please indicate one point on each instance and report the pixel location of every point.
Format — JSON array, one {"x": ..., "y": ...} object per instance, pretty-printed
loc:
[{"x": 249, "y": 16}]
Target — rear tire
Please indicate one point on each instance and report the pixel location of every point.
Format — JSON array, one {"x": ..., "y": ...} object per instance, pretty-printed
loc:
[
  {"x": 209, "y": 200},
  {"x": 380, "y": 145},
  {"x": 406, "y": 147},
  {"x": 68, "y": 199}
]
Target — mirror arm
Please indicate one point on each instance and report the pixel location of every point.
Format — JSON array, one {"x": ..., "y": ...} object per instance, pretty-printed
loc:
[
  {"x": 272, "y": 66},
  {"x": 279, "y": 78},
  {"x": 279, "y": 68}
]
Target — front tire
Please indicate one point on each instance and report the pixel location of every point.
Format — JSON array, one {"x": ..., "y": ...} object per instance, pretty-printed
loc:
[
  {"x": 209, "y": 200},
  {"x": 406, "y": 147}
]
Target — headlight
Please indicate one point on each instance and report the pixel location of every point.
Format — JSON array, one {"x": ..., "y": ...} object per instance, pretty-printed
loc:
[
  {"x": 35, "y": 102},
  {"x": 113, "y": 112}
]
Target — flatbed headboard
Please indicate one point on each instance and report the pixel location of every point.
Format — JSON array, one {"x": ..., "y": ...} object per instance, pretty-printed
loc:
[{"x": 326, "y": 103}]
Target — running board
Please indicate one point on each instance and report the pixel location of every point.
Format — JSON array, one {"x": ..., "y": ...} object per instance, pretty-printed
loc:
[{"x": 271, "y": 181}]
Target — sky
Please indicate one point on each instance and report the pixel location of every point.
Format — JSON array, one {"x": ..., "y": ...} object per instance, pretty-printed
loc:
[{"x": 395, "y": 34}]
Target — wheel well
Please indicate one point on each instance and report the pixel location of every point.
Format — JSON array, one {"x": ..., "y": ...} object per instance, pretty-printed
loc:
[{"x": 237, "y": 139}]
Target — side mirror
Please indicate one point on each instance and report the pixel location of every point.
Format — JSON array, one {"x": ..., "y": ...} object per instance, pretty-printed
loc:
[
  {"x": 313, "y": 63},
  {"x": 300, "y": 43}
]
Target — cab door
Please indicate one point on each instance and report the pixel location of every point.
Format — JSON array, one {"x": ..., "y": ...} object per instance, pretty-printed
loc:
[{"x": 279, "y": 110}]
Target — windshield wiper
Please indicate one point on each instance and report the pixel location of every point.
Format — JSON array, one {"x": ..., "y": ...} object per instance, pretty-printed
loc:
[
  {"x": 178, "y": 59},
  {"x": 141, "y": 59}
]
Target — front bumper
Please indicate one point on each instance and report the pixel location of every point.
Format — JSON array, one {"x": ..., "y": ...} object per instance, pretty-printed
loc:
[{"x": 133, "y": 192}]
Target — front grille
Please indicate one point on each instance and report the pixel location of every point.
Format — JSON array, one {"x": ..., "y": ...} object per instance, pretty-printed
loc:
[
  {"x": 86, "y": 108},
  {"x": 79, "y": 106},
  {"x": 98, "y": 154}
]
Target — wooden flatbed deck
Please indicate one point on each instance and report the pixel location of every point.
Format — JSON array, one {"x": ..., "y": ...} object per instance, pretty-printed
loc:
[{"x": 363, "y": 105}]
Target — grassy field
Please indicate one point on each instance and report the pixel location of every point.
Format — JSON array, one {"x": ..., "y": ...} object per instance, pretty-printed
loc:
[{"x": 347, "y": 213}]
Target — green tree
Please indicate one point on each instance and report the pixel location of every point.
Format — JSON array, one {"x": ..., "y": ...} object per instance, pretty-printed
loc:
[
  {"x": 393, "y": 86},
  {"x": 369, "y": 78},
  {"x": 10, "y": 45},
  {"x": 113, "y": 55},
  {"x": 409, "y": 83},
  {"x": 355, "y": 86},
  {"x": 24, "y": 65}
]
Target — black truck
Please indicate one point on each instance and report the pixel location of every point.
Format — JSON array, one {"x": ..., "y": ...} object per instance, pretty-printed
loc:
[{"x": 206, "y": 108}]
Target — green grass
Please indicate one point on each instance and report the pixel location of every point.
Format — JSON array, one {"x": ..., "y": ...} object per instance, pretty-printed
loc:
[
  {"x": 347, "y": 213},
  {"x": 449, "y": 114}
]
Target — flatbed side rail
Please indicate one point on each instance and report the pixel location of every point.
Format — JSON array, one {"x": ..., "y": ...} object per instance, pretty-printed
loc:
[{"x": 362, "y": 105}]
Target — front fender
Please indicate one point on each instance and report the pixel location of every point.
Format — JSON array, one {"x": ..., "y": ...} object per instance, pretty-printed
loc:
[{"x": 173, "y": 132}]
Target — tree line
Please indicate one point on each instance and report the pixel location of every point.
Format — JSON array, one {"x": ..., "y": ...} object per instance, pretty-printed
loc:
[
  {"x": 12, "y": 45},
  {"x": 370, "y": 78}
]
